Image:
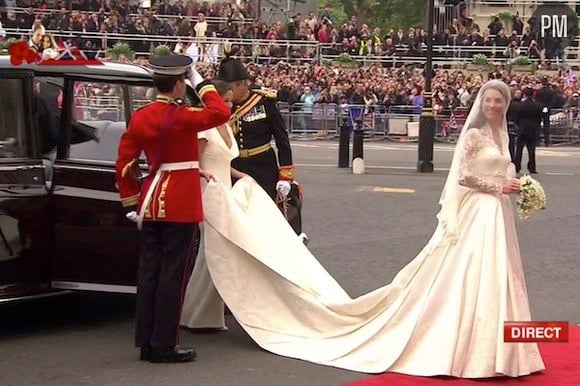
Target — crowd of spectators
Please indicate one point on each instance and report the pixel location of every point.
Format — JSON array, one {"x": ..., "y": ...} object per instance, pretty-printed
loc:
[
  {"x": 89, "y": 22},
  {"x": 395, "y": 88},
  {"x": 377, "y": 86},
  {"x": 518, "y": 38},
  {"x": 237, "y": 19}
]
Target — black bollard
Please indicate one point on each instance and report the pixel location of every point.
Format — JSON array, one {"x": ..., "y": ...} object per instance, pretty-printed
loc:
[
  {"x": 357, "y": 142},
  {"x": 426, "y": 139},
  {"x": 344, "y": 146}
]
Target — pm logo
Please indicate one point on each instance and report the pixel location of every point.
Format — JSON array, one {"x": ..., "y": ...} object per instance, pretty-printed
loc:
[{"x": 554, "y": 26}]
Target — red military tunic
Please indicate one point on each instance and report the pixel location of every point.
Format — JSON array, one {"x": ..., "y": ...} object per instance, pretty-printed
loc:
[{"x": 176, "y": 197}]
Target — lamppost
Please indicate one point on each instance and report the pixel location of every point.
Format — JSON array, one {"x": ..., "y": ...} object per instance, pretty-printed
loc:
[{"x": 427, "y": 120}]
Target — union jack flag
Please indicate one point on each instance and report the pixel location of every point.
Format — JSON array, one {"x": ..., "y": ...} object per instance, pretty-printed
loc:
[
  {"x": 450, "y": 126},
  {"x": 69, "y": 54}
]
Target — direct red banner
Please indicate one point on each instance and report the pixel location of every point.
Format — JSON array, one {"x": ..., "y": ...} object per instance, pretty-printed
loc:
[{"x": 536, "y": 332}]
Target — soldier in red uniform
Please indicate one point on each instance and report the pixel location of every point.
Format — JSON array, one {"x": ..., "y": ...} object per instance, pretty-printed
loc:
[{"x": 167, "y": 207}]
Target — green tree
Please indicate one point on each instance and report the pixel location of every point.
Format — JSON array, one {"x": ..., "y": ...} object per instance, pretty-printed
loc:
[
  {"x": 378, "y": 13},
  {"x": 337, "y": 11},
  {"x": 399, "y": 14}
]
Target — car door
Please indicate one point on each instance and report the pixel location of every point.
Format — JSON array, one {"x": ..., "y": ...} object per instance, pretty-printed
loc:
[
  {"x": 25, "y": 206},
  {"x": 96, "y": 246}
]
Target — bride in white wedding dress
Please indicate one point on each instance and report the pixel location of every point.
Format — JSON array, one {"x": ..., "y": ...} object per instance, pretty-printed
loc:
[
  {"x": 443, "y": 313},
  {"x": 202, "y": 306}
]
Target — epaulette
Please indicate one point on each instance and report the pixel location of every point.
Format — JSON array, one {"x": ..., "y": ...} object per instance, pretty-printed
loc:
[
  {"x": 145, "y": 105},
  {"x": 271, "y": 94},
  {"x": 178, "y": 101}
]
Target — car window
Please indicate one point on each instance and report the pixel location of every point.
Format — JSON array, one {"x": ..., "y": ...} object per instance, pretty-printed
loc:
[
  {"x": 98, "y": 101},
  {"x": 47, "y": 109},
  {"x": 143, "y": 95},
  {"x": 99, "y": 118},
  {"x": 98, "y": 121},
  {"x": 13, "y": 139}
]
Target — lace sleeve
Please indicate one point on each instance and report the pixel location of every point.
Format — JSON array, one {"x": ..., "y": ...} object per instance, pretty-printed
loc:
[{"x": 474, "y": 141}]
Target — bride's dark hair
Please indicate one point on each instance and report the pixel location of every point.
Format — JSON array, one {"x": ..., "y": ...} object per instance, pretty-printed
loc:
[
  {"x": 221, "y": 86},
  {"x": 497, "y": 85}
]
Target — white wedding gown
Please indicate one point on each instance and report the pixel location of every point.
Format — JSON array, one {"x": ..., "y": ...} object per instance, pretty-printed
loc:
[
  {"x": 202, "y": 305},
  {"x": 442, "y": 314}
]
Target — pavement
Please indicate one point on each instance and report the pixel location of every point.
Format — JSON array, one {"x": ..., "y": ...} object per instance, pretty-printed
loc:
[{"x": 363, "y": 229}]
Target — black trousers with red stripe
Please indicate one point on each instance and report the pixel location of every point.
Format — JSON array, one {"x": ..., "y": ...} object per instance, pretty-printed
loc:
[{"x": 167, "y": 259}]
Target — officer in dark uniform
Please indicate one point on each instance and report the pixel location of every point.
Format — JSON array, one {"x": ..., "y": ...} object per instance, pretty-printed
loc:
[
  {"x": 167, "y": 206},
  {"x": 528, "y": 124},
  {"x": 512, "y": 117},
  {"x": 255, "y": 121},
  {"x": 545, "y": 97}
]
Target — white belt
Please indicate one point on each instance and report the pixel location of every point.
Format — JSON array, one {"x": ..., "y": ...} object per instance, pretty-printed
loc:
[
  {"x": 163, "y": 168},
  {"x": 179, "y": 166}
]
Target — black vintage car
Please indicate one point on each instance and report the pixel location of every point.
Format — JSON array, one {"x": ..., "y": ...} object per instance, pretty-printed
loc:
[{"x": 62, "y": 226}]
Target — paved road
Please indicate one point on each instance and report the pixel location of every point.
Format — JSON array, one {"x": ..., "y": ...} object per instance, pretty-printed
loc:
[
  {"x": 403, "y": 156},
  {"x": 363, "y": 235}
]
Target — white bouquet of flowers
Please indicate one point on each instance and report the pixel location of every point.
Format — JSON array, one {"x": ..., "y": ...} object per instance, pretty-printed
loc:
[{"x": 532, "y": 197}]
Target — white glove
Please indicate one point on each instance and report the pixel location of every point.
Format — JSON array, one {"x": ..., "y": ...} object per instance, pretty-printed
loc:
[
  {"x": 132, "y": 216},
  {"x": 283, "y": 187},
  {"x": 195, "y": 78}
]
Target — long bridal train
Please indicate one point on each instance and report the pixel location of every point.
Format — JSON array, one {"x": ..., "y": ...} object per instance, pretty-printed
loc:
[{"x": 443, "y": 313}]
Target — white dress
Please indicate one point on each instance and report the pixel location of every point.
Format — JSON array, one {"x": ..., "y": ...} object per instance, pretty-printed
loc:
[
  {"x": 442, "y": 314},
  {"x": 202, "y": 305}
]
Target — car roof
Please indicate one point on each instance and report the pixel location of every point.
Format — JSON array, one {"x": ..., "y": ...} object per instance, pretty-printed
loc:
[{"x": 108, "y": 70}]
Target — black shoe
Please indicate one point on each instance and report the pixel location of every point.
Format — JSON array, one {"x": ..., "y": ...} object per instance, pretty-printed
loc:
[
  {"x": 533, "y": 172},
  {"x": 145, "y": 353},
  {"x": 172, "y": 355}
]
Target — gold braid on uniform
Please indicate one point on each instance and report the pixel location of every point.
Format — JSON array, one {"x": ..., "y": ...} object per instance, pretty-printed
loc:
[
  {"x": 252, "y": 101},
  {"x": 131, "y": 169},
  {"x": 286, "y": 173},
  {"x": 271, "y": 94},
  {"x": 130, "y": 201}
]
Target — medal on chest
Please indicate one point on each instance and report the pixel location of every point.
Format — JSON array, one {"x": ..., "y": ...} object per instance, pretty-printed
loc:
[{"x": 255, "y": 114}]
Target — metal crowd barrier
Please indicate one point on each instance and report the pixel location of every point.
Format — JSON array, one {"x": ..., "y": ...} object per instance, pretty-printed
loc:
[
  {"x": 99, "y": 108},
  {"x": 207, "y": 48},
  {"x": 448, "y": 123},
  {"x": 326, "y": 120},
  {"x": 454, "y": 51},
  {"x": 402, "y": 121},
  {"x": 370, "y": 117},
  {"x": 564, "y": 125},
  {"x": 263, "y": 50},
  {"x": 318, "y": 120}
]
